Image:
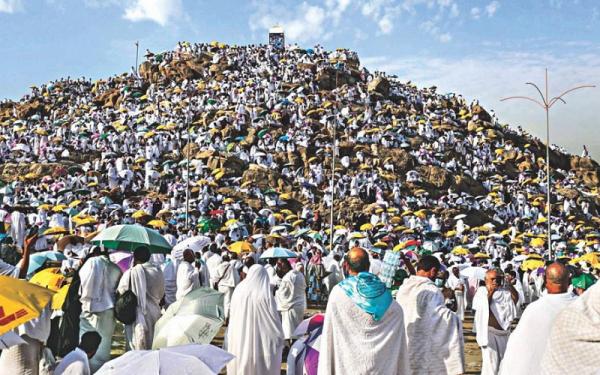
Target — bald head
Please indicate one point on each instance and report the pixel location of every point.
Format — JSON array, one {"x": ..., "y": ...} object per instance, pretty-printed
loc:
[
  {"x": 357, "y": 260},
  {"x": 557, "y": 278}
]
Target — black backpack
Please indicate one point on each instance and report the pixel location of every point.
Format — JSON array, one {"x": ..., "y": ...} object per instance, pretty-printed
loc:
[{"x": 126, "y": 306}]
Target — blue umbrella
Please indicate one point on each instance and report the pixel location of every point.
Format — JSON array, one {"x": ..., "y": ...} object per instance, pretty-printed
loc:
[
  {"x": 38, "y": 259},
  {"x": 278, "y": 252}
]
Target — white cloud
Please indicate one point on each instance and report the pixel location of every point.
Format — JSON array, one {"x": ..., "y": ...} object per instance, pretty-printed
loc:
[
  {"x": 304, "y": 23},
  {"x": 445, "y": 37},
  {"x": 10, "y": 6},
  {"x": 385, "y": 25},
  {"x": 492, "y": 76},
  {"x": 475, "y": 13},
  {"x": 491, "y": 8},
  {"x": 454, "y": 12},
  {"x": 159, "y": 11}
]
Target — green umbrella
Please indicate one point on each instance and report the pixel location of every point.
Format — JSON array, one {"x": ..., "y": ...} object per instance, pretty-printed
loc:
[
  {"x": 583, "y": 281},
  {"x": 130, "y": 237}
]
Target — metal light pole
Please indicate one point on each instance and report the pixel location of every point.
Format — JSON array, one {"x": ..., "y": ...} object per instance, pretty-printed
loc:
[
  {"x": 187, "y": 174},
  {"x": 333, "y": 162},
  {"x": 546, "y": 104},
  {"x": 137, "y": 49}
]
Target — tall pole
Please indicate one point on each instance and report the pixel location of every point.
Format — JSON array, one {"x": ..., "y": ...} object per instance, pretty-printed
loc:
[
  {"x": 548, "y": 177},
  {"x": 334, "y": 125},
  {"x": 546, "y": 104},
  {"x": 137, "y": 49},
  {"x": 187, "y": 174}
]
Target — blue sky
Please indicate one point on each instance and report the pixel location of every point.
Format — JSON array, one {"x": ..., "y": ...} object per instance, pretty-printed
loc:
[{"x": 482, "y": 49}]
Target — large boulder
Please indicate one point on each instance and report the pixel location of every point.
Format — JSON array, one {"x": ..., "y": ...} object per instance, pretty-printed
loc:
[
  {"x": 440, "y": 178},
  {"x": 380, "y": 85},
  {"x": 466, "y": 184},
  {"x": 259, "y": 176},
  {"x": 400, "y": 159}
]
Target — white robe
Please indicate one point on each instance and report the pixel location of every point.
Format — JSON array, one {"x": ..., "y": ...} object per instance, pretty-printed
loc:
[
  {"x": 255, "y": 334},
  {"x": 527, "y": 343},
  {"x": 17, "y": 228},
  {"x": 433, "y": 332},
  {"x": 354, "y": 343},
  {"x": 574, "y": 343},
  {"x": 147, "y": 283},
  {"x": 74, "y": 363},
  {"x": 187, "y": 279},
  {"x": 493, "y": 341},
  {"x": 291, "y": 301}
]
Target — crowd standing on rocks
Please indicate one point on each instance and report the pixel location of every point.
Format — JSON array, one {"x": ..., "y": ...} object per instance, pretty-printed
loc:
[{"x": 245, "y": 159}]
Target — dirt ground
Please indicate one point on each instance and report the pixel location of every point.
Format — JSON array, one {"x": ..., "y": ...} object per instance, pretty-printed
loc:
[{"x": 472, "y": 351}]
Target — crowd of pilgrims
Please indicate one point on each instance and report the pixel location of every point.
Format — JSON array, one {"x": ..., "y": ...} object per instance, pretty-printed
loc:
[{"x": 125, "y": 163}]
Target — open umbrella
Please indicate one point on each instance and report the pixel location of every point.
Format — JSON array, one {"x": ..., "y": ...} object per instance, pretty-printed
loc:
[
  {"x": 38, "y": 259},
  {"x": 278, "y": 252},
  {"x": 122, "y": 259},
  {"x": 195, "y": 318},
  {"x": 303, "y": 358},
  {"x": 50, "y": 278},
  {"x": 177, "y": 360},
  {"x": 474, "y": 273},
  {"x": 130, "y": 237},
  {"x": 196, "y": 244},
  {"x": 241, "y": 246},
  {"x": 20, "y": 301}
]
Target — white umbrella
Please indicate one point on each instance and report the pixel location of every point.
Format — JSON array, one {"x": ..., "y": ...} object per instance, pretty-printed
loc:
[
  {"x": 474, "y": 273},
  {"x": 186, "y": 329},
  {"x": 196, "y": 244},
  {"x": 178, "y": 360},
  {"x": 10, "y": 339},
  {"x": 461, "y": 216},
  {"x": 21, "y": 147}
]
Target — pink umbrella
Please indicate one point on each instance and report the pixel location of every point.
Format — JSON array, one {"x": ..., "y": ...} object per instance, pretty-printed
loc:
[
  {"x": 305, "y": 358},
  {"x": 122, "y": 259}
]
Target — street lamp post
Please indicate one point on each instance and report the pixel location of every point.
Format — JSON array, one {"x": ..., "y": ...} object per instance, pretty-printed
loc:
[
  {"x": 546, "y": 104},
  {"x": 334, "y": 125},
  {"x": 137, "y": 49}
]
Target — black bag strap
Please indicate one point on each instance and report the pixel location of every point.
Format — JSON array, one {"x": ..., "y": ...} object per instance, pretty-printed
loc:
[{"x": 222, "y": 276}]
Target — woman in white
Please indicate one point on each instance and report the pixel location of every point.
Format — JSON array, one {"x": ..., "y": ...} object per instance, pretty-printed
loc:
[{"x": 255, "y": 335}]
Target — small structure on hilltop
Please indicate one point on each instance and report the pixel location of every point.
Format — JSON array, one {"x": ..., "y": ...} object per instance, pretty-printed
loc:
[{"x": 277, "y": 37}]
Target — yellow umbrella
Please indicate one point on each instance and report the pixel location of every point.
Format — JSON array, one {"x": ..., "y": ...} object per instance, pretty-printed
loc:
[
  {"x": 366, "y": 226},
  {"x": 20, "y": 301},
  {"x": 50, "y": 278},
  {"x": 291, "y": 217},
  {"x": 241, "y": 246},
  {"x": 537, "y": 242},
  {"x": 89, "y": 220},
  {"x": 230, "y": 222},
  {"x": 55, "y": 230},
  {"x": 532, "y": 264},
  {"x": 75, "y": 203},
  {"x": 357, "y": 236},
  {"x": 286, "y": 212},
  {"x": 339, "y": 227},
  {"x": 228, "y": 201},
  {"x": 380, "y": 244},
  {"x": 45, "y": 206},
  {"x": 399, "y": 247},
  {"x": 459, "y": 250},
  {"x": 482, "y": 256},
  {"x": 58, "y": 299},
  {"x": 139, "y": 214},
  {"x": 157, "y": 223},
  {"x": 59, "y": 208}
]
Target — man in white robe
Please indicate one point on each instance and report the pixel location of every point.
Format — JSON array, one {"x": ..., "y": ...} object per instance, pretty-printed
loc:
[
  {"x": 17, "y": 228},
  {"x": 255, "y": 335},
  {"x": 458, "y": 285},
  {"x": 146, "y": 281},
  {"x": 527, "y": 343},
  {"x": 573, "y": 346},
  {"x": 77, "y": 361},
  {"x": 362, "y": 335},
  {"x": 227, "y": 277},
  {"x": 188, "y": 277},
  {"x": 290, "y": 297},
  {"x": 99, "y": 279},
  {"x": 433, "y": 332},
  {"x": 495, "y": 309}
]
